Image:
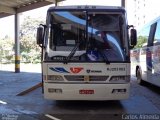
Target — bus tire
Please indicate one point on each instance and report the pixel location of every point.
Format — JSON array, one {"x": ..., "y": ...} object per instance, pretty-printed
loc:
[{"x": 139, "y": 76}]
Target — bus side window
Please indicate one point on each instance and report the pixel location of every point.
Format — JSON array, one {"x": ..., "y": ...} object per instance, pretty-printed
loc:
[{"x": 157, "y": 34}]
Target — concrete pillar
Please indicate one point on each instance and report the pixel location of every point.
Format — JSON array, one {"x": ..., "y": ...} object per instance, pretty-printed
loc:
[
  {"x": 17, "y": 44},
  {"x": 123, "y": 3},
  {"x": 56, "y": 2}
]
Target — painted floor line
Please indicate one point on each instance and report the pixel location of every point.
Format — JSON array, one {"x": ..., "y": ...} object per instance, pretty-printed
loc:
[
  {"x": 2, "y": 102},
  {"x": 52, "y": 117}
]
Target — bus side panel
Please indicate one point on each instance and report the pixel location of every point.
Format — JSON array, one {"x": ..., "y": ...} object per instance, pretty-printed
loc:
[
  {"x": 155, "y": 73},
  {"x": 142, "y": 63},
  {"x": 150, "y": 64}
]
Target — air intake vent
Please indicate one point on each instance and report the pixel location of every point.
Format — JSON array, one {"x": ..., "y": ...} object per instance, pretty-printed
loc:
[
  {"x": 74, "y": 78},
  {"x": 81, "y": 78},
  {"x": 98, "y": 78}
]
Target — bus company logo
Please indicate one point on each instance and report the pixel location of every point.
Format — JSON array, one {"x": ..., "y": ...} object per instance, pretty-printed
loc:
[
  {"x": 76, "y": 69},
  {"x": 63, "y": 70},
  {"x": 59, "y": 69},
  {"x": 93, "y": 71},
  {"x": 88, "y": 71}
]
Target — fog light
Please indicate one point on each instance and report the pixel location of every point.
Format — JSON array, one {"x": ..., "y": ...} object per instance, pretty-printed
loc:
[
  {"x": 119, "y": 91},
  {"x": 119, "y": 79},
  {"x": 55, "y": 78},
  {"x": 53, "y": 90}
]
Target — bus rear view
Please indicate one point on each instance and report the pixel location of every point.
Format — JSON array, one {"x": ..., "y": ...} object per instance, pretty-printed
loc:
[{"x": 85, "y": 53}]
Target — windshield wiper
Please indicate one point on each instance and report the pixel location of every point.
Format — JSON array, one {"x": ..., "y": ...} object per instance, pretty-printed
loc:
[
  {"x": 73, "y": 51},
  {"x": 104, "y": 57}
]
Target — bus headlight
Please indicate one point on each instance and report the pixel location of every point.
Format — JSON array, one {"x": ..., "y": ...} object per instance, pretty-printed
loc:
[
  {"x": 119, "y": 79},
  {"x": 56, "y": 78}
]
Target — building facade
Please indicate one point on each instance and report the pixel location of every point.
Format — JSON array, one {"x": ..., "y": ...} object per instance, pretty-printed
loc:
[{"x": 143, "y": 11}]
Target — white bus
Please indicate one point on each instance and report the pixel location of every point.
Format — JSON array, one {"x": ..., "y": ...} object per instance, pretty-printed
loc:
[
  {"x": 146, "y": 60},
  {"x": 86, "y": 53}
]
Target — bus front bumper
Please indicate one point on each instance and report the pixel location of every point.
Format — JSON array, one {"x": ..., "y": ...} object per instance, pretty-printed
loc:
[{"x": 56, "y": 91}]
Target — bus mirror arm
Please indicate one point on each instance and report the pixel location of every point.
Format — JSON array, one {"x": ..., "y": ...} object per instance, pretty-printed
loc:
[
  {"x": 131, "y": 47},
  {"x": 40, "y": 35}
]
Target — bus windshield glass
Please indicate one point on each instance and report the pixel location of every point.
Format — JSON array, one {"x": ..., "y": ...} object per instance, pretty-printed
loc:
[{"x": 86, "y": 36}]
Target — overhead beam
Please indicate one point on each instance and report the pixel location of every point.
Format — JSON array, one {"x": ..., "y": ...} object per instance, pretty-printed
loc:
[
  {"x": 2, "y": 15},
  {"x": 8, "y": 10},
  {"x": 35, "y": 5},
  {"x": 32, "y": 6}
]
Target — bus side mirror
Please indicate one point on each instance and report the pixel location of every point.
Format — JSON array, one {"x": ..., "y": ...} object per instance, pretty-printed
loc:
[
  {"x": 133, "y": 37},
  {"x": 40, "y": 35}
]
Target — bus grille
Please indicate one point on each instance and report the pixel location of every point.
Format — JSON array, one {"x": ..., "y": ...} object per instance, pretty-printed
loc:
[{"x": 81, "y": 78}]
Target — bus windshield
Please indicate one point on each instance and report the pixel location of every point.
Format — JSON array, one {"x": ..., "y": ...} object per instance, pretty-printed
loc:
[{"x": 86, "y": 36}]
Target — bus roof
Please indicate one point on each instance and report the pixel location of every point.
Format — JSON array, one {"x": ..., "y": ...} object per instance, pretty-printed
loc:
[{"x": 88, "y": 7}]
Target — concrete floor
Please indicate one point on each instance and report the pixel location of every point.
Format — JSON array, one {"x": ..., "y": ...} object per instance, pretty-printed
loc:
[{"x": 32, "y": 106}]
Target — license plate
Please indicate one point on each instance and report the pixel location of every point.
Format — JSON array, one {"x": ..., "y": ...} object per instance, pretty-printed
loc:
[{"x": 86, "y": 91}]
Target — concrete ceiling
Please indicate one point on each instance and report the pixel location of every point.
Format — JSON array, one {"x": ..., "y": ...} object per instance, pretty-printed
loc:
[{"x": 10, "y": 7}]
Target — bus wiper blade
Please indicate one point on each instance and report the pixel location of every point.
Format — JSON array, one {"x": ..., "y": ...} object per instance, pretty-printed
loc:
[
  {"x": 73, "y": 51},
  {"x": 104, "y": 57}
]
